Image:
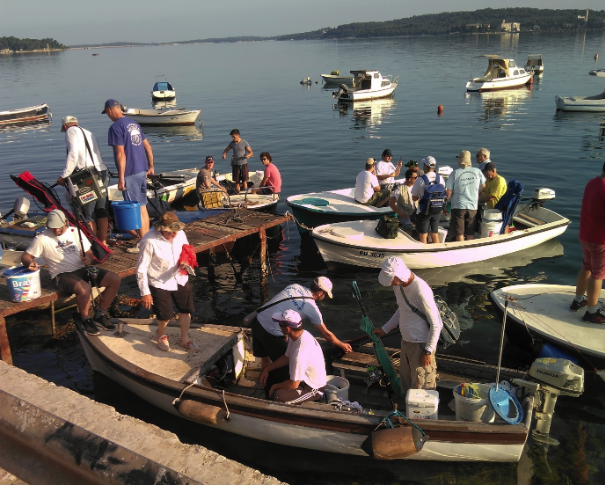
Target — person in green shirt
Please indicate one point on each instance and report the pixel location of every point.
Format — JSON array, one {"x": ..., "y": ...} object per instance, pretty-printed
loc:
[{"x": 495, "y": 187}]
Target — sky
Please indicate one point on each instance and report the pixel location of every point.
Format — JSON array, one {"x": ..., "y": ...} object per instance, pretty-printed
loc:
[{"x": 103, "y": 21}]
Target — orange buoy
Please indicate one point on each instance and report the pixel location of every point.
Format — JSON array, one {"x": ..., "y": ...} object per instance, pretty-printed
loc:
[
  {"x": 394, "y": 443},
  {"x": 439, "y": 109},
  {"x": 199, "y": 412},
  {"x": 596, "y": 57}
]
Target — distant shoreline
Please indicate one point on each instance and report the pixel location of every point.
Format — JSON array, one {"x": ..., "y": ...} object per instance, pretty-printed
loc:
[{"x": 33, "y": 51}]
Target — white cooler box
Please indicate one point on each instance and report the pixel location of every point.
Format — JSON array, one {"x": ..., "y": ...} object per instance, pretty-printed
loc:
[{"x": 422, "y": 404}]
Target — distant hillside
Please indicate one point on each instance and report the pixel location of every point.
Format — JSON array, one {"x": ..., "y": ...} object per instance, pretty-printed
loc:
[
  {"x": 14, "y": 44},
  {"x": 485, "y": 20},
  {"x": 110, "y": 44}
]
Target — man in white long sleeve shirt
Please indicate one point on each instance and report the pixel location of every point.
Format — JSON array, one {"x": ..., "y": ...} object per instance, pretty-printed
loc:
[
  {"x": 161, "y": 281},
  {"x": 83, "y": 152},
  {"x": 418, "y": 336}
]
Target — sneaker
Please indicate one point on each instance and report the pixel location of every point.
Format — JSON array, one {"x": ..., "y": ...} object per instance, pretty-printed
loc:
[
  {"x": 596, "y": 317},
  {"x": 134, "y": 249},
  {"x": 191, "y": 346},
  {"x": 89, "y": 326},
  {"x": 104, "y": 321},
  {"x": 163, "y": 343},
  {"x": 575, "y": 305}
]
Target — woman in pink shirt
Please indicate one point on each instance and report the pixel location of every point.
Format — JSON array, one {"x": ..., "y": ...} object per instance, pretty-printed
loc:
[{"x": 271, "y": 183}]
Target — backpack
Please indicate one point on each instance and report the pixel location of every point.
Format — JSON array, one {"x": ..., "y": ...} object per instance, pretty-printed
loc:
[{"x": 432, "y": 201}]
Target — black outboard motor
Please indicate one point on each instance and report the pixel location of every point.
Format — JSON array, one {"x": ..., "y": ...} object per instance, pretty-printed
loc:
[{"x": 343, "y": 91}]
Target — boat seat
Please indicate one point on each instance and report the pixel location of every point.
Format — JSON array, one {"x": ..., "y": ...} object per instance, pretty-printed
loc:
[{"x": 529, "y": 220}]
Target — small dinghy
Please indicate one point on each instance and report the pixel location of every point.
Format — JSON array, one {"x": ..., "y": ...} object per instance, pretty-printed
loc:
[
  {"x": 162, "y": 90},
  {"x": 597, "y": 72},
  {"x": 594, "y": 103},
  {"x": 167, "y": 186},
  {"x": 25, "y": 115},
  {"x": 542, "y": 311},
  {"x": 163, "y": 117}
]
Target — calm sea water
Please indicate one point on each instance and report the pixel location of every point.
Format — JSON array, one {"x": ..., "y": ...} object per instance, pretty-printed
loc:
[{"x": 317, "y": 146}]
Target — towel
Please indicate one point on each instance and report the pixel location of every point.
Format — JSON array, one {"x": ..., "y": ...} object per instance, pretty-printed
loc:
[{"x": 188, "y": 258}]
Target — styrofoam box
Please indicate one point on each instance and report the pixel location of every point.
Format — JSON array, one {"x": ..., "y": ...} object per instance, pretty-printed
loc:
[{"x": 422, "y": 404}]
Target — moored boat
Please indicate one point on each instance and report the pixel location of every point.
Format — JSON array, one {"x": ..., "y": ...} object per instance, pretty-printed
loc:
[
  {"x": 597, "y": 72},
  {"x": 501, "y": 73},
  {"x": 25, "y": 115},
  {"x": 163, "y": 90},
  {"x": 367, "y": 85},
  {"x": 535, "y": 63},
  {"x": 163, "y": 117},
  {"x": 594, "y": 103},
  {"x": 335, "y": 78},
  {"x": 167, "y": 186}
]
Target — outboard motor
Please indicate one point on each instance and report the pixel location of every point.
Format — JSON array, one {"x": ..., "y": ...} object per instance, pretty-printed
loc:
[
  {"x": 553, "y": 378},
  {"x": 542, "y": 195},
  {"x": 344, "y": 90},
  {"x": 21, "y": 208}
]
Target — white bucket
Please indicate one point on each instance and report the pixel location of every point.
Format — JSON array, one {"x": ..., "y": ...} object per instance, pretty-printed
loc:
[
  {"x": 492, "y": 215},
  {"x": 490, "y": 228},
  {"x": 23, "y": 284},
  {"x": 339, "y": 385},
  {"x": 475, "y": 410}
]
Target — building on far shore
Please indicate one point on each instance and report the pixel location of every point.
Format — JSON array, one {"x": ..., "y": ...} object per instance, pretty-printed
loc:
[{"x": 510, "y": 26}]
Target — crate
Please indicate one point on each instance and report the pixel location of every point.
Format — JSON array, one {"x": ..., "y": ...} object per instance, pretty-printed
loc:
[{"x": 211, "y": 199}]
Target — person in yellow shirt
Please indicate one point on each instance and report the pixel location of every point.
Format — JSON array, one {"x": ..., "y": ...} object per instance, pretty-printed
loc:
[{"x": 495, "y": 187}]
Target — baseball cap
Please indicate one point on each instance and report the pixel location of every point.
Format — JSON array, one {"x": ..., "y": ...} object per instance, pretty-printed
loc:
[
  {"x": 387, "y": 153},
  {"x": 55, "y": 220},
  {"x": 209, "y": 157},
  {"x": 324, "y": 284},
  {"x": 67, "y": 120},
  {"x": 289, "y": 317},
  {"x": 370, "y": 161},
  {"x": 110, "y": 103},
  {"x": 489, "y": 166},
  {"x": 429, "y": 162},
  {"x": 392, "y": 267}
]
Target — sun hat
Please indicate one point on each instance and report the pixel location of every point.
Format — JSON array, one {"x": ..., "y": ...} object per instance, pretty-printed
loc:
[
  {"x": 464, "y": 158},
  {"x": 370, "y": 161},
  {"x": 55, "y": 219},
  {"x": 169, "y": 222},
  {"x": 324, "y": 284},
  {"x": 392, "y": 267},
  {"x": 67, "y": 120},
  {"x": 110, "y": 103},
  {"x": 289, "y": 317},
  {"x": 429, "y": 162}
]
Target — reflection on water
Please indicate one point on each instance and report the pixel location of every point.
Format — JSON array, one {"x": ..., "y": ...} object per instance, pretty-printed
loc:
[
  {"x": 500, "y": 108},
  {"x": 367, "y": 113},
  {"x": 161, "y": 104},
  {"x": 26, "y": 126},
  {"x": 186, "y": 133}
]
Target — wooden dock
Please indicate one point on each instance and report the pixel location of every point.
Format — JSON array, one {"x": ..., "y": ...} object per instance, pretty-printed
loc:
[{"x": 204, "y": 235}]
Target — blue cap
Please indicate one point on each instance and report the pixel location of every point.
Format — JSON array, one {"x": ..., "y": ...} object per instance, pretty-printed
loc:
[{"x": 109, "y": 104}]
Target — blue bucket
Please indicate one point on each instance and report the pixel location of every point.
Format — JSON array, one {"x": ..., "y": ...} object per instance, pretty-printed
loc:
[
  {"x": 23, "y": 284},
  {"x": 127, "y": 215}
]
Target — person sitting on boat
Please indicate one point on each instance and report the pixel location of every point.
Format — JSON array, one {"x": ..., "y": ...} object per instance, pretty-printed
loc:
[
  {"x": 418, "y": 336},
  {"x": 402, "y": 202},
  {"x": 83, "y": 152},
  {"x": 482, "y": 157},
  {"x": 267, "y": 339},
  {"x": 367, "y": 188},
  {"x": 463, "y": 188},
  {"x": 163, "y": 282},
  {"x": 67, "y": 254},
  {"x": 592, "y": 240},
  {"x": 205, "y": 178},
  {"x": 386, "y": 171},
  {"x": 495, "y": 187},
  {"x": 303, "y": 359},
  {"x": 427, "y": 223},
  {"x": 239, "y": 161},
  {"x": 271, "y": 182}
]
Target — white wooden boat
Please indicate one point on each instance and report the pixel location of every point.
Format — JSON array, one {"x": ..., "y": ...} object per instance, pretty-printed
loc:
[
  {"x": 367, "y": 85},
  {"x": 163, "y": 117},
  {"x": 594, "y": 103},
  {"x": 177, "y": 383},
  {"x": 500, "y": 74},
  {"x": 336, "y": 79},
  {"x": 597, "y": 72},
  {"x": 169, "y": 186},
  {"x": 163, "y": 90},
  {"x": 25, "y": 115},
  {"x": 542, "y": 310},
  {"x": 535, "y": 63},
  {"x": 358, "y": 244}
]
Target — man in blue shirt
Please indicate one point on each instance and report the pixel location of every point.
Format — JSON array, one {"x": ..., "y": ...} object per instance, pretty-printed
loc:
[{"x": 133, "y": 157}]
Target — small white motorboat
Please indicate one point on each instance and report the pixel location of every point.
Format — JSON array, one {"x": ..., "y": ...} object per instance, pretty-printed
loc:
[
  {"x": 501, "y": 73},
  {"x": 367, "y": 85},
  {"x": 335, "y": 78},
  {"x": 358, "y": 244},
  {"x": 162, "y": 90},
  {"x": 25, "y": 115},
  {"x": 594, "y": 103},
  {"x": 597, "y": 72},
  {"x": 167, "y": 186},
  {"x": 542, "y": 310},
  {"x": 163, "y": 117},
  {"x": 535, "y": 63}
]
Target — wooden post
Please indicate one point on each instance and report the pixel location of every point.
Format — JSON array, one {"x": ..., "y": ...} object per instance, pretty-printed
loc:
[
  {"x": 5, "y": 349},
  {"x": 264, "y": 267},
  {"x": 52, "y": 316}
]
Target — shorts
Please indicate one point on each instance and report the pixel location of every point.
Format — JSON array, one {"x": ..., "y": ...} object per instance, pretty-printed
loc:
[
  {"x": 266, "y": 191},
  {"x": 66, "y": 282},
  {"x": 265, "y": 344},
  {"x": 163, "y": 300},
  {"x": 463, "y": 222},
  {"x": 377, "y": 197},
  {"x": 136, "y": 188},
  {"x": 427, "y": 223},
  {"x": 594, "y": 259},
  {"x": 240, "y": 173},
  {"x": 97, "y": 209}
]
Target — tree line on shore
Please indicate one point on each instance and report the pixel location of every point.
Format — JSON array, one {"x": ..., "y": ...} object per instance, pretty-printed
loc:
[{"x": 15, "y": 45}]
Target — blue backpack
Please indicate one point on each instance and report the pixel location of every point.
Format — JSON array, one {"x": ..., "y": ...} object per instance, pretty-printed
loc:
[{"x": 432, "y": 201}]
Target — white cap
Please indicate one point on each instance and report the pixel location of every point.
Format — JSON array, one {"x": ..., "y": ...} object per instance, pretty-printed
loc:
[
  {"x": 289, "y": 317},
  {"x": 392, "y": 267},
  {"x": 55, "y": 219},
  {"x": 324, "y": 284},
  {"x": 429, "y": 162}
]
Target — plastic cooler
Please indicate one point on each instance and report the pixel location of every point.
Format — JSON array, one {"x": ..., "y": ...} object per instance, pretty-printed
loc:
[
  {"x": 127, "y": 215},
  {"x": 422, "y": 404}
]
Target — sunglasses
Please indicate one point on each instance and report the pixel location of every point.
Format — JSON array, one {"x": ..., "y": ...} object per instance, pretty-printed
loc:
[
  {"x": 263, "y": 159},
  {"x": 210, "y": 161}
]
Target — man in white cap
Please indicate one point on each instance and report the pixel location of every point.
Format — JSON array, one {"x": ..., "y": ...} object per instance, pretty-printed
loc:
[
  {"x": 60, "y": 247},
  {"x": 83, "y": 152},
  {"x": 427, "y": 222},
  {"x": 268, "y": 341},
  {"x": 418, "y": 336},
  {"x": 303, "y": 359}
]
